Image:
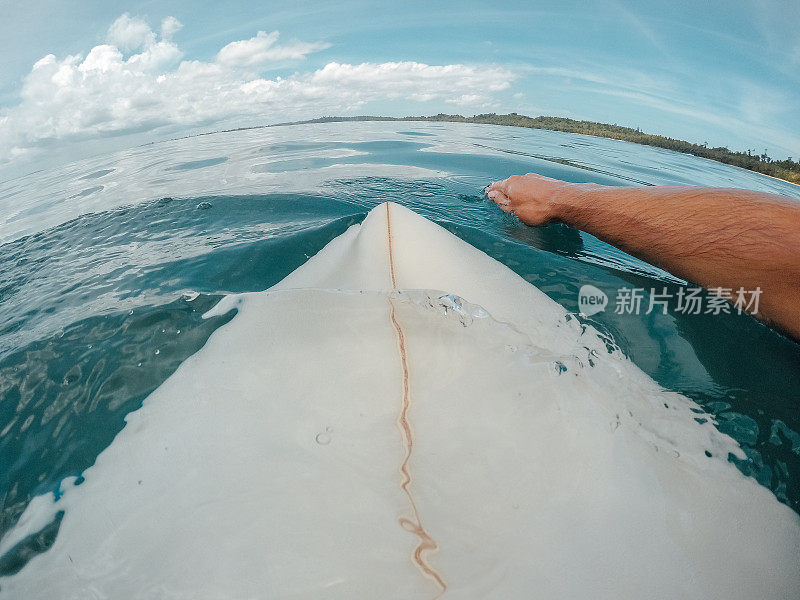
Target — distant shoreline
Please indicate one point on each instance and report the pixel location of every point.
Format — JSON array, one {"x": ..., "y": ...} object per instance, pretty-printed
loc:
[{"x": 785, "y": 170}]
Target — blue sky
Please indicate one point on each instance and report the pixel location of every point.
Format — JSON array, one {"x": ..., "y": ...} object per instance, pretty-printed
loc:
[{"x": 726, "y": 73}]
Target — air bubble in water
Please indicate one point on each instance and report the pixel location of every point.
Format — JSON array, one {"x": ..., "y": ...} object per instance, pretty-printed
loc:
[
  {"x": 466, "y": 312},
  {"x": 451, "y": 302},
  {"x": 478, "y": 312},
  {"x": 324, "y": 437},
  {"x": 158, "y": 351}
]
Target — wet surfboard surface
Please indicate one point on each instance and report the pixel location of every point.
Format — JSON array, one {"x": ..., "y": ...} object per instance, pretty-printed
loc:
[{"x": 404, "y": 417}]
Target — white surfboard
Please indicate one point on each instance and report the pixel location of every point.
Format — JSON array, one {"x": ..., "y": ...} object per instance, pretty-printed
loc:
[{"x": 402, "y": 418}]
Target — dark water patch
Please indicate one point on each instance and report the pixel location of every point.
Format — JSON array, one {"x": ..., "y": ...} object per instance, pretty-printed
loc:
[
  {"x": 428, "y": 197},
  {"x": 284, "y": 147},
  {"x": 97, "y": 174},
  {"x": 135, "y": 255},
  {"x": 248, "y": 266},
  {"x": 647, "y": 173},
  {"x": 87, "y": 192},
  {"x": 417, "y": 133},
  {"x": 376, "y": 146},
  {"x": 380, "y": 146},
  {"x": 298, "y": 164},
  {"x": 198, "y": 164},
  {"x": 569, "y": 163},
  {"x": 96, "y": 261},
  {"x": 17, "y": 557}
]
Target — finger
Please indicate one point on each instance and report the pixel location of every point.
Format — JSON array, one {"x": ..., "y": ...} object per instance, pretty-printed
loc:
[
  {"x": 500, "y": 199},
  {"x": 500, "y": 186}
]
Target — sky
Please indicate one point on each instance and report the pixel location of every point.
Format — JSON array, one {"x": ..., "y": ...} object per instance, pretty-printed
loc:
[{"x": 89, "y": 77}]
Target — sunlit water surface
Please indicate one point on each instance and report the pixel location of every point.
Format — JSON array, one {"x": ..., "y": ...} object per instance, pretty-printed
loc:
[{"x": 107, "y": 265}]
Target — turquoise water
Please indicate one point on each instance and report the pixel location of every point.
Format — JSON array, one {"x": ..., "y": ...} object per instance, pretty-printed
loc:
[{"x": 107, "y": 265}]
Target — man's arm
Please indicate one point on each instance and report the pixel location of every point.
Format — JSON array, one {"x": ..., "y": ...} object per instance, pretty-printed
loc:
[{"x": 716, "y": 237}]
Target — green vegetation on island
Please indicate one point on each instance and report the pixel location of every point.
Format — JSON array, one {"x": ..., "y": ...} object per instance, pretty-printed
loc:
[{"x": 787, "y": 170}]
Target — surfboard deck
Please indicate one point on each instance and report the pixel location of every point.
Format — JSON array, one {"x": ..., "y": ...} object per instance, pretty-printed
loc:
[{"x": 404, "y": 417}]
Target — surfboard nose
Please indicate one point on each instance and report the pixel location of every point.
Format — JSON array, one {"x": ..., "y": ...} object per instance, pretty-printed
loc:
[{"x": 363, "y": 258}]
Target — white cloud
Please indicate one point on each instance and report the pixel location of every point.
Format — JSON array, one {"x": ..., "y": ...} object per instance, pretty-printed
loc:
[
  {"x": 109, "y": 92},
  {"x": 263, "y": 48},
  {"x": 130, "y": 33},
  {"x": 169, "y": 27}
]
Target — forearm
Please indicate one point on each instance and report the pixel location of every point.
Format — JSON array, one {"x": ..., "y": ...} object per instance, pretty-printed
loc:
[{"x": 714, "y": 237}]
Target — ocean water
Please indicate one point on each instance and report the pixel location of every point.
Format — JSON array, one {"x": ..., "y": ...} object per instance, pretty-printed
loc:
[{"x": 106, "y": 266}]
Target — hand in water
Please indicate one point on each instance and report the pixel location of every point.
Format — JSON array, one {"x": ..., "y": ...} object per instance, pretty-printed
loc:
[
  {"x": 530, "y": 197},
  {"x": 535, "y": 199}
]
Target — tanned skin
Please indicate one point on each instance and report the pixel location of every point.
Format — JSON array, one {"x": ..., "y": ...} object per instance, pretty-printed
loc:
[{"x": 716, "y": 237}]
